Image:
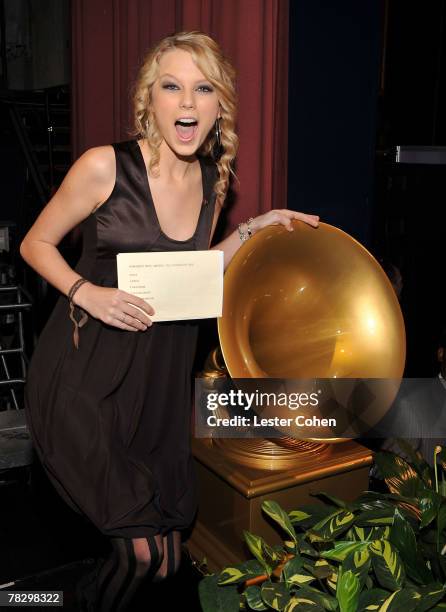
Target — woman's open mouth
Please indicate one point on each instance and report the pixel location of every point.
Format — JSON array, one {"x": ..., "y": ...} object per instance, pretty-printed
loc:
[{"x": 186, "y": 129}]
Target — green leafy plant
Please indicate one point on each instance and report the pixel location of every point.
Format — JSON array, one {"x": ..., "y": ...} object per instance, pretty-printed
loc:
[{"x": 383, "y": 551}]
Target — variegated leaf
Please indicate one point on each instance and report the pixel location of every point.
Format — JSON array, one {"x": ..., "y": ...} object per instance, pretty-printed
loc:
[
  {"x": 375, "y": 518},
  {"x": 271, "y": 554},
  {"x": 403, "y": 538},
  {"x": 347, "y": 591},
  {"x": 303, "y": 603},
  {"x": 298, "y": 515},
  {"x": 274, "y": 511},
  {"x": 305, "y": 548},
  {"x": 399, "y": 475},
  {"x": 342, "y": 549},
  {"x": 330, "y": 527},
  {"x": 429, "y": 504},
  {"x": 321, "y": 569},
  {"x": 359, "y": 563},
  {"x": 430, "y": 595},
  {"x": 360, "y": 534},
  {"x": 275, "y": 594},
  {"x": 372, "y": 599},
  {"x": 290, "y": 545},
  {"x": 417, "y": 460},
  {"x": 293, "y": 572},
  {"x": 328, "y": 602},
  {"x": 403, "y": 599},
  {"x": 240, "y": 573},
  {"x": 254, "y": 598},
  {"x": 308, "y": 515},
  {"x": 332, "y": 581},
  {"x": 214, "y": 598},
  {"x": 387, "y": 565},
  {"x": 293, "y": 565},
  {"x": 255, "y": 544},
  {"x": 372, "y": 500}
]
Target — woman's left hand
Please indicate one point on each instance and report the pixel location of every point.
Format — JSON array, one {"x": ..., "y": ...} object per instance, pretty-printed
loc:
[{"x": 282, "y": 216}]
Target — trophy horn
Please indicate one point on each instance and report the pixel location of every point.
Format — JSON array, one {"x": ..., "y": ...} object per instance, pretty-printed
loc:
[{"x": 312, "y": 303}]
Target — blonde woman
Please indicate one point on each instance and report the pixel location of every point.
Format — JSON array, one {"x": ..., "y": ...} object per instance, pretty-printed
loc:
[{"x": 108, "y": 392}]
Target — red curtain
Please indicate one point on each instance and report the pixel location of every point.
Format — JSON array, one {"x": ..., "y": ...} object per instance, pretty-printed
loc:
[{"x": 110, "y": 38}]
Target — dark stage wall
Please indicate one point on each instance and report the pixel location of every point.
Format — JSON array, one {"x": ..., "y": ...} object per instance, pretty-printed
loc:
[
  {"x": 335, "y": 50},
  {"x": 364, "y": 77}
]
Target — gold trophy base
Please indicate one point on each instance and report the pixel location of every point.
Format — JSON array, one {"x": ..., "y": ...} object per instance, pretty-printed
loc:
[{"x": 235, "y": 476}]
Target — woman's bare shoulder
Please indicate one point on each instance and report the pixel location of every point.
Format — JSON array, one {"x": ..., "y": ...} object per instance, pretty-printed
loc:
[
  {"x": 98, "y": 161},
  {"x": 86, "y": 185},
  {"x": 96, "y": 170}
]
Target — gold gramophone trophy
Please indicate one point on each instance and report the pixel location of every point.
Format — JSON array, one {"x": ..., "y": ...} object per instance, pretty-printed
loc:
[{"x": 312, "y": 303}]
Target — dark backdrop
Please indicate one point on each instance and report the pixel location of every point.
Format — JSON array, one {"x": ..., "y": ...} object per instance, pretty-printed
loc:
[
  {"x": 334, "y": 63},
  {"x": 364, "y": 77}
]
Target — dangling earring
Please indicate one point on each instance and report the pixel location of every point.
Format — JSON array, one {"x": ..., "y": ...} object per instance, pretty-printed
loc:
[
  {"x": 217, "y": 149},
  {"x": 218, "y": 131}
]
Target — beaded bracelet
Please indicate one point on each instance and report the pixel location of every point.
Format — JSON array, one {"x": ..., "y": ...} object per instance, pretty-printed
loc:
[
  {"x": 242, "y": 234},
  {"x": 247, "y": 226},
  {"x": 84, "y": 318}
]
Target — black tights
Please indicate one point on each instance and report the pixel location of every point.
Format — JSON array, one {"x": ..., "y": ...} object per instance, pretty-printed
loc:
[{"x": 131, "y": 562}]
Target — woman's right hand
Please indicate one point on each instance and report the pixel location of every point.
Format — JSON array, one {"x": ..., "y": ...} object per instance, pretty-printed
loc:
[{"x": 114, "y": 306}]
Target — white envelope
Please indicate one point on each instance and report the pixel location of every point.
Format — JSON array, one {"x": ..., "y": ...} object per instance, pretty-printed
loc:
[{"x": 178, "y": 284}]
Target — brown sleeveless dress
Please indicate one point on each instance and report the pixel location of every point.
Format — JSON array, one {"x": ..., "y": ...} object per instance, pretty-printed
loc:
[{"x": 111, "y": 420}]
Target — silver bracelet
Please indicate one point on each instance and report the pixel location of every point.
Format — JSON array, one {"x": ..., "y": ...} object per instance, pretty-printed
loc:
[{"x": 242, "y": 234}]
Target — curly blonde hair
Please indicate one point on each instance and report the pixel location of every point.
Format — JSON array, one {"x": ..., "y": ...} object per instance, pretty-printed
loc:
[{"x": 209, "y": 58}]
